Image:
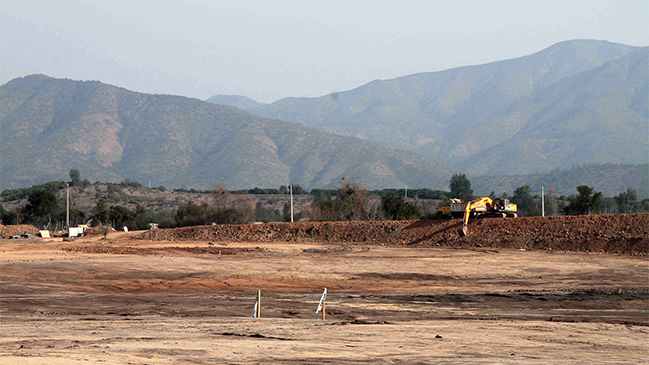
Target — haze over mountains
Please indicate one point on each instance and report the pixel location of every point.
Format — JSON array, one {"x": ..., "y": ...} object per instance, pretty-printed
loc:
[
  {"x": 573, "y": 103},
  {"x": 49, "y": 126},
  {"x": 580, "y": 101}
]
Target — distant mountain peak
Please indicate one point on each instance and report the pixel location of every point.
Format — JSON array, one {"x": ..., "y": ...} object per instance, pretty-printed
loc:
[{"x": 238, "y": 101}]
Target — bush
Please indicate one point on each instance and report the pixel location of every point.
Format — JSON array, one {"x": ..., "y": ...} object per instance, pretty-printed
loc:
[
  {"x": 349, "y": 202},
  {"x": 167, "y": 222},
  {"x": 396, "y": 208}
]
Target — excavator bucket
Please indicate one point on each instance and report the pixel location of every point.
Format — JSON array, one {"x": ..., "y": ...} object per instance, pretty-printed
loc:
[{"x": 463, "y": 231}]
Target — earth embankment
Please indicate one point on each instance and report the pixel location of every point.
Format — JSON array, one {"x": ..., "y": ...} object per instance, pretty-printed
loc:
[
  {"x": 16, "y": 230},
  {"x": 621, "y": 233}
]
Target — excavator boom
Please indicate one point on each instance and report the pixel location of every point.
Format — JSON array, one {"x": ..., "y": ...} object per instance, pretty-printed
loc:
[
  {"x": 498, "y": 207},
  {"x": 463, "y": 231}
]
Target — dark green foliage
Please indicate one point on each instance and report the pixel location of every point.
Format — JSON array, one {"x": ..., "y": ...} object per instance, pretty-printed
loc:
[
  {"x": 525, "y": 202},
  {"x": 627, "y": 202},
  {"x": 192, "y": 214},
  {"x": 167, "y": 222},
  {"x": 227, "y": 209},
  {"x": 76, "y": 217},
  {"x": 42, "y": 206},
  {"x": 118, "y": 217},
  {"x": 12, "y": 217},
  {"x": 141, "y": 218},
  {"x": 396, "y": 208},
  {"x": 75, "y": 178},
  {"x": 298, "y": 190},
  {"x": 100, "y": 213},
  {"x": 323, "y": 194},
  {"x": 258, "y": 191},
  {"x": 413, "y": 193},
  {"x": 16, "y": 194},
  {"x": 461, "y": 187},
  {"x": 164, "y": 219},
  {"x": 121, "y": 217},
  {"x": 587, "y": 202},
  {"x": 131, "y": 184},
  {"x": 183, "y": 190}
]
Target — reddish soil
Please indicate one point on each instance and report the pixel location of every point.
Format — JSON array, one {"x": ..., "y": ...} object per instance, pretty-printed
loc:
[
  {"x": 622, "y": 233},
  {"x": 394, "y": 295},
  {"x": 16, "y": 230}
]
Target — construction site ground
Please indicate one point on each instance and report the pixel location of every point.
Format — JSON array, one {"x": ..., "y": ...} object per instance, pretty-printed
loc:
[{"x": 513, "y": 291}]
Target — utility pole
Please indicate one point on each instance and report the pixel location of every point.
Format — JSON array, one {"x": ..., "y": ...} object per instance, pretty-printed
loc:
[
  {"x": 542, "y": 202},
  {"x": 67, "y": 206},
  {"x": 291, "y": 189}
]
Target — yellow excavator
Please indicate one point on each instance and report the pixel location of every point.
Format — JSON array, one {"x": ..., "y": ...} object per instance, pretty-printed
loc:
[{"x": 485, "y": 208}]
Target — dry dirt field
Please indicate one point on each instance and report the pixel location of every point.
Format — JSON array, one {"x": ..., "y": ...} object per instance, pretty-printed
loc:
[{"x": 135, "y": 298}]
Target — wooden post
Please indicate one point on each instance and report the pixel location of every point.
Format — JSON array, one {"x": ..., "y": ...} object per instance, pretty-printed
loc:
[
  {"x": 324, "y": 306},
  {"x": 258, "y": 303}
]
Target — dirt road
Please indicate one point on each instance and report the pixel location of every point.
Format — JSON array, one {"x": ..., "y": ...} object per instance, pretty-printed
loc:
[{"x": 127, "y": 300}]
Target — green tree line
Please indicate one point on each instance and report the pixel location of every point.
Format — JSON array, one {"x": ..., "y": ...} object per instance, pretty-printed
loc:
[{"x": 348, "y": 201}]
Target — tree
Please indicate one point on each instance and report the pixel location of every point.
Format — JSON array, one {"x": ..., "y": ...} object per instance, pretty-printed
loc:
[
  {"x": 75, "y": 178},
  {"x": 41, "y": 206},
  {"x": 298, "y": 190},
  {"x": 100, "y": 213},
  {"x": 523, "y": 199},
  {"x": 587, "y": 202},
  {"x": 121, "y": 217},
  {"x": 76, "y": 216},
  {"x": 626, "y": 201},
  {"x": 461, "y": 187},
  {"x": 397, "y": 208},
  {"x": 350, "y": 201},
  {"x": 141, "y": 218}
]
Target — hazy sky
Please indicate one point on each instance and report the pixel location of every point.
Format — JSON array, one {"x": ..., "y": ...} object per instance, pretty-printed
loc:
[{"x": 269, "y": 49}]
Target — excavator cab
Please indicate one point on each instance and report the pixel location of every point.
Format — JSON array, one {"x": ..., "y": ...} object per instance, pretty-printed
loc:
[{"x": 502, "y": 204}]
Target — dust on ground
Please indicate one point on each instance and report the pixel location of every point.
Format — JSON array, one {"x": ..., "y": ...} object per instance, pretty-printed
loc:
[{"x": 130, "y": 299}]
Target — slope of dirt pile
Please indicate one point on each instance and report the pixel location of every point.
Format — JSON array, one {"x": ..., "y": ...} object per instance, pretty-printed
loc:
[
  {"x": 622, "y": 233},
  {"x": 16, "y": 230}
]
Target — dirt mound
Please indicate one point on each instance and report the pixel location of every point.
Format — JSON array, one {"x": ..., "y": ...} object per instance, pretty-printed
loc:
[
  {"x": 622, "y": 233},
  {"x": 16, "y": 230}
]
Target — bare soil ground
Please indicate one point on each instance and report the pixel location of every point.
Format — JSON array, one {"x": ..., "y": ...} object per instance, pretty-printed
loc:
[{"x": 136, "y": 298}]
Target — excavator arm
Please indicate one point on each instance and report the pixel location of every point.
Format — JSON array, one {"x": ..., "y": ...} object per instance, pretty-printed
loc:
[{"x": 463, "y": 231}]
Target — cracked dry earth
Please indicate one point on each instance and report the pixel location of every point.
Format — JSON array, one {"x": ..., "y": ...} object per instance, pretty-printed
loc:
[{"x": 128, "y": 300}]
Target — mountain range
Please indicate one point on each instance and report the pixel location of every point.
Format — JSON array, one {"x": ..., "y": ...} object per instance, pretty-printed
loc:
[
  {"x": 574, "y": 103},
  {"x": 581, "y": 101},
  {"x": 49, "y": 126}
]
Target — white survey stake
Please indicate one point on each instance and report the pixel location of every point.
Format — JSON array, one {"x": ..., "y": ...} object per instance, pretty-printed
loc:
[{"x": 324, "y": 296}]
